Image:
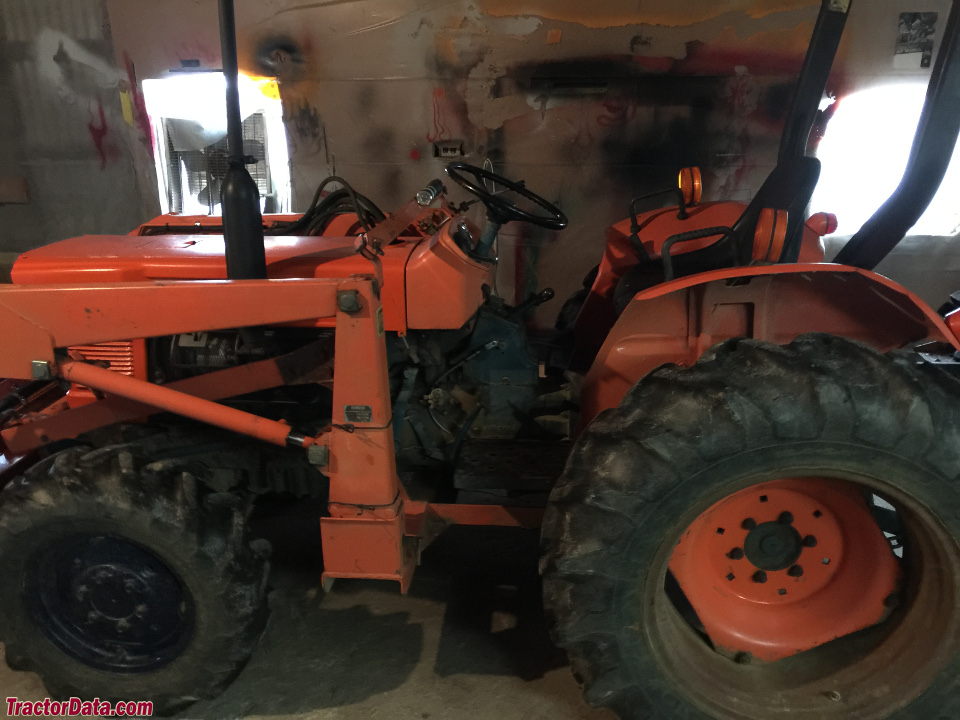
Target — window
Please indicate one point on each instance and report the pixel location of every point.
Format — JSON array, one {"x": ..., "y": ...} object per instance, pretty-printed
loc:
[
  {"x": 864, "y": 153},
  {"x": 188, "y": 115}
]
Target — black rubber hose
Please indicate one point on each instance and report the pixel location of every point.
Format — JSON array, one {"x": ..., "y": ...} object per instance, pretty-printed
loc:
[{"x": 320, "y": 211}]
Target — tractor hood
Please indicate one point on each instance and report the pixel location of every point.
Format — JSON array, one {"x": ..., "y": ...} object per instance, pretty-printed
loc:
[{"x": 416, "y": 271}]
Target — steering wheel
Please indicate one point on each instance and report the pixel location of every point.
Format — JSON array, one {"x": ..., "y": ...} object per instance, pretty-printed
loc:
[{"x": 499, "y": 209}]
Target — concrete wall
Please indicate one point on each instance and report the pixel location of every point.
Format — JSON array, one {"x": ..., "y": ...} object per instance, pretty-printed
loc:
[
  {"x": 590, "y": 103},
  {"x": 62, "y": 126}
]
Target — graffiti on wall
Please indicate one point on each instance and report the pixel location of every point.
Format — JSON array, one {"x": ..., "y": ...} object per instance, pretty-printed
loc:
[
  {"x": 135, "y": 106},
  {"x": 306, "y": 134},
  {"x": 591, "y": 105},
  {"x": 96, "y": 90}
]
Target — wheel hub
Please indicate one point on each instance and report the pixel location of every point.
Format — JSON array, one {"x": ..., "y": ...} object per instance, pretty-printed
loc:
[
  {"x": 109, "y": 603},
  {"x": 110, "y": 591},
  {"x": 786, "y": 566},
  {"x": 773, "y": 546}
]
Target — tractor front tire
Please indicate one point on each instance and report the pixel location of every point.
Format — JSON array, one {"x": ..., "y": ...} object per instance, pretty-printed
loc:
[
  {"x": 685, "y": 440},
  {"x": 125, "y": 580}
]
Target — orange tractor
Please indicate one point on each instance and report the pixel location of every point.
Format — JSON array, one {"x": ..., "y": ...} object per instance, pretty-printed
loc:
[{"x": 758, "y": 518}]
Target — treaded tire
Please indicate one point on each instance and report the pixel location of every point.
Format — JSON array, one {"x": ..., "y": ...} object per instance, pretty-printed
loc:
[
  {"x": 684, "y": 438},
  {"x": 116, "y": 492}
]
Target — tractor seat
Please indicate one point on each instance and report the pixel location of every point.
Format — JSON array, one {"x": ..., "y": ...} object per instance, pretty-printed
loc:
[{"x": 787, "y": 189}]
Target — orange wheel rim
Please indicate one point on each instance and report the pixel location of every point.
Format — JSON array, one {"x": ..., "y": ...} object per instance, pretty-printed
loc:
[{"x": 786, "y": 566}]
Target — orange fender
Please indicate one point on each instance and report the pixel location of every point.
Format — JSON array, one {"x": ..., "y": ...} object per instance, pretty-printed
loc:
[{"x": 677, "y": 321}]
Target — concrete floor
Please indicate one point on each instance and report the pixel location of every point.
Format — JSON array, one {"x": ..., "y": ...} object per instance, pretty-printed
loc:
[{"x": 468, "y": 641}]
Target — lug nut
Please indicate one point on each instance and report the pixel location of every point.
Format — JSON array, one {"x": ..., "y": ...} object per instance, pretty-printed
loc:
[
  {"x": 735, "y": 554},
  {"x": 809, "y": 541},
  {"x": 748, "y": 524},
  {"x": 796, "y": 571},
  {"x": 786, "y": 518},
  {"x": 760, "y": 576}
]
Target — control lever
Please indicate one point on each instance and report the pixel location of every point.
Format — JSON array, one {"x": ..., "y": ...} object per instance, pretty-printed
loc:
[
  {"x": 531, "y": 302},
  {"x": 430, "y": 193}
]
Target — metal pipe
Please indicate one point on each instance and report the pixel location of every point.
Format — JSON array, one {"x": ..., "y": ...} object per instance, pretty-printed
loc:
[
  {"x": 206, "y": 411},
  {"x": 313, "y": 363},
  {"x": 228, "y": 52},
  {"x": 239, "y": 195},
  {"x": 930, "y": 157}
]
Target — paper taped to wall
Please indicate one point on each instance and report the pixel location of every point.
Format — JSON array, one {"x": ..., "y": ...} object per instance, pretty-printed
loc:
[{"x": 915, "y": 34}]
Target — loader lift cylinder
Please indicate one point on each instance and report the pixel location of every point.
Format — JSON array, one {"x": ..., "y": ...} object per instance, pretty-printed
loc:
[{"x": 239, "y": 196}]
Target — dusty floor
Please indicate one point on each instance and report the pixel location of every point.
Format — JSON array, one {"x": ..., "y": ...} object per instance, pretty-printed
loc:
[{"x": 469, "y": 641}]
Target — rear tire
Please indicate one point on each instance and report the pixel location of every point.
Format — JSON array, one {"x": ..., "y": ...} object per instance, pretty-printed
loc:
[
  {"x": 683, "y": 439},
  {"x": 124, "y": 580}
]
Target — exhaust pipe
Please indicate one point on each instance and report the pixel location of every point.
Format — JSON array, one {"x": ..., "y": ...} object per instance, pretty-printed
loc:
[{"x": 239, "y": 196}]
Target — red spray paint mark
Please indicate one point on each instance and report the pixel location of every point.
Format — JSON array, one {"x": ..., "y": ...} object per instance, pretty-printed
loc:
[
  {"x": 415, "y": 154},
  {"x": 139, "y": 105},
  {"x": 617, "y": 112},
  {"x": 656, "y": 64},
  {"x": 704, "y": 59},
  {"x": 98, "y": 133},
  {"x": 440, "y": 130}
]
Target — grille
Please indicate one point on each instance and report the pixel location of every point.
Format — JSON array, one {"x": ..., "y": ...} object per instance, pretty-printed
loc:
[
  {"x": 126, "y": 358},
  {"x": 203, "y": 170}
]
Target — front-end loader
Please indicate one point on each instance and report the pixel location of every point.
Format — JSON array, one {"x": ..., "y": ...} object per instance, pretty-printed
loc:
[{"x": 757, "y": 514}]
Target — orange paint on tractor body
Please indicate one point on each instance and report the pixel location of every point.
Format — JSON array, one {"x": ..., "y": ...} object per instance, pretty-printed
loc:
[
  {"x": 87, "y": 291},
  {"x": 676, "y": 322},
  {"x": 98, "y": 293},
  {"x": 755, "y": 594},
  {"x": 417, "y": 272}
]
